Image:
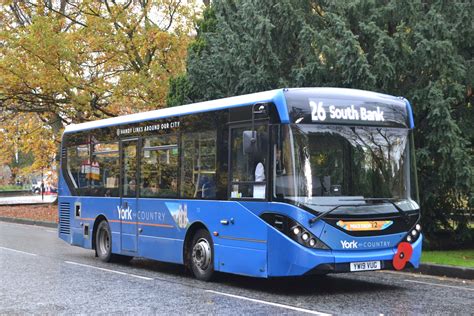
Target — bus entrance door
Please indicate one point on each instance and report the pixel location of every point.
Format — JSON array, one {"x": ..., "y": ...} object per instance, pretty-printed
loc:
[{"x": 128, "y": 201}]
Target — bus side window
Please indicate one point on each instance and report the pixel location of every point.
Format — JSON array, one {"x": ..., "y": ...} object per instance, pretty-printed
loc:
[
  {"x": 249, "y": 169},
  {"x": 198, "y": 165},
  {"x": 105, "y": 170},
  {"x": 159, "y": 167}
]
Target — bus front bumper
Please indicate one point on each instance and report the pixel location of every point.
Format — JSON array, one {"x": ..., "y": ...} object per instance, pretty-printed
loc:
[
  {"x": 294, "y": 260},
  {"x": 343, "y": 259}
]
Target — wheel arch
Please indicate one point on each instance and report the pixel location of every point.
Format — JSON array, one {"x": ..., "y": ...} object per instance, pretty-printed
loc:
[
  {"x": 189, "y": 238},
  {"x": 98, "y": 219}
]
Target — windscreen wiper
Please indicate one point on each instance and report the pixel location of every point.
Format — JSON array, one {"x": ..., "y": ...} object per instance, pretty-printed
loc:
[
  {"x": 323, "y": 214},
  {"x": 386, "y": 200}
]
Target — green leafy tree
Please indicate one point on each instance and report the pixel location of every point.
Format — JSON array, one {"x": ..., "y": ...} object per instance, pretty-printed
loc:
[{"x": 418, "y": 49}]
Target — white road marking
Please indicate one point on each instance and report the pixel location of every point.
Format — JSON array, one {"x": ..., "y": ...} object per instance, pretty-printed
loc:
[
  {"x": 298, "y": 309},
  {"x": 19, "y": 251},
  {"x": 51, "y": 231},
  {"x": 443, "y": 285},
  {"x": 109, "y": 270},
  {"x": 422, "y": 276}
]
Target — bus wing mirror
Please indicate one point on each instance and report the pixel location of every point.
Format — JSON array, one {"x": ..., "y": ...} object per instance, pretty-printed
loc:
[{"x": 249, "y": 142}]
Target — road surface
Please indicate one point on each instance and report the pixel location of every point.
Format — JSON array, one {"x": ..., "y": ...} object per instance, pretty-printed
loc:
[{"x": 41, "y": 274}]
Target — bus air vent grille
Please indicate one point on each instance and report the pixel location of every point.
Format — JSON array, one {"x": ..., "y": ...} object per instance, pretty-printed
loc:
[
  {"x": 63, "y": 153},
  {"x": 64, "y": 218}
]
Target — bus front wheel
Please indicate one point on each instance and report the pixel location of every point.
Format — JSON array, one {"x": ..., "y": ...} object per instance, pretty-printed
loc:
[{"x": 202, "y": 255}]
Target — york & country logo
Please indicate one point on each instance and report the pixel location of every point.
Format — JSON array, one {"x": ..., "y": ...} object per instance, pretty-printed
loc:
[{"x": 349, "y": 245}]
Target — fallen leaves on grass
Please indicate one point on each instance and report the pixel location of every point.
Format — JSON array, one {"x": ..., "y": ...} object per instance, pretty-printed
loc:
[{"x": 43, "y": 212}]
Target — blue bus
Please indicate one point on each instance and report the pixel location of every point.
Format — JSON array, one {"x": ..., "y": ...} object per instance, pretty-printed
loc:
[{"x": 287, "y": 182}]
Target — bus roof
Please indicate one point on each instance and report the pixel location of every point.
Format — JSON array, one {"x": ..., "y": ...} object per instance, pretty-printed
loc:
[{"x": 276, "y": 96}]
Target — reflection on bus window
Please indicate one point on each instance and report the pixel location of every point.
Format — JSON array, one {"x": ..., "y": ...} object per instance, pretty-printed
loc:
[
  {"x": 248, "y": 169},
  {"x": 334, "y": 161},
  {"x": 159, "y": 167},
  {"x": 198, "y": 171},
  {"x": 105, "y": 170},
  {"x": 79, "y": 165},
  {"x": 129, "y": 182}
]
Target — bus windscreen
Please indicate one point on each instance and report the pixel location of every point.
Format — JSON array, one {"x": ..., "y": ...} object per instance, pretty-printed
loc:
[{"x": 334, "y": 164}]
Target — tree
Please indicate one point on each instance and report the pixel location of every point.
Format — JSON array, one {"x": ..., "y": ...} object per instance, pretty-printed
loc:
[
  {"x": 27, "y": 145},
  {"x": 419, "y": 49},
  {"x": 70, "y": 62}
]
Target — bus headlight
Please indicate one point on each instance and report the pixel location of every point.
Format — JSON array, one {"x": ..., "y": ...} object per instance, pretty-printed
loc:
[
  {"x": 307, "y": 239},
  {"x": 305, "y": 236},
  {"x": 293, "y": 230},
  {"x": 414, "y": 233}
]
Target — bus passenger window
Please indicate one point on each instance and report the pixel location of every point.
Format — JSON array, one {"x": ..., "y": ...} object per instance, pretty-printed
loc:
[
  {"x": 159, "y": 167},
  {"x": 105, "y": 170},
  {"x": 198, "y": 171}
]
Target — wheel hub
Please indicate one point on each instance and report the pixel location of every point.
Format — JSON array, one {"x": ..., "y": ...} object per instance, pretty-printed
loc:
[
  {"x": 104, "y": 241},
  {"x": 202, "y": 254}
]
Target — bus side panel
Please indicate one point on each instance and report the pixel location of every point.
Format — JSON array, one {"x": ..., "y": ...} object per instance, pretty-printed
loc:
[
  {"x": 160, "y": 236},
  {"x": 287, "y": 258},
  {"x": 65, "y": 216},
  {"x": 162, "y": 249},
  {"x": 65, "y": 212},
  {"x": 238, "y": 260},
  {"x": 89, "y": 208},
  {"x": 71, "y": 226},
  {"x": 241, "y": 244}
]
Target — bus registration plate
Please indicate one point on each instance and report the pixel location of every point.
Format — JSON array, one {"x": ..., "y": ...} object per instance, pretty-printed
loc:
[{"x": 365, "y": 266}]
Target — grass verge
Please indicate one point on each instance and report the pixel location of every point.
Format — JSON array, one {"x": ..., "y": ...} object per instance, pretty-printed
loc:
[
  {"x": 12, "y": 188},
  {"x": 463, "y": 258}
]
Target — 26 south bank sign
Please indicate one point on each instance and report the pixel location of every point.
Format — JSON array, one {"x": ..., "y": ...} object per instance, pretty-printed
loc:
[{"x": 320, "y": 112}]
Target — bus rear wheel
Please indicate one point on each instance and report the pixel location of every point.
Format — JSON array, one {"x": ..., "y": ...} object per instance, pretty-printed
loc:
[
  {"x": 103, "y": 245},
  {"x": 103, "y": 242},
  {"x": 202, "y": 256}
]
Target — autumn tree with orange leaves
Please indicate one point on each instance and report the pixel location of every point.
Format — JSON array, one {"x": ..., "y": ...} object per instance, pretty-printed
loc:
[{"x": 64, "y": 62}]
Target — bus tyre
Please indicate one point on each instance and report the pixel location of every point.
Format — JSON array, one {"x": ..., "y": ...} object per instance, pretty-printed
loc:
[
  {"x": 103, "y": 242},
  {"x": 202, "y": 255}
]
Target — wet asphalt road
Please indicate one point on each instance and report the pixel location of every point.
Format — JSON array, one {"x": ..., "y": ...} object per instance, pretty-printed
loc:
[{"x": 40, "y": 274}]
